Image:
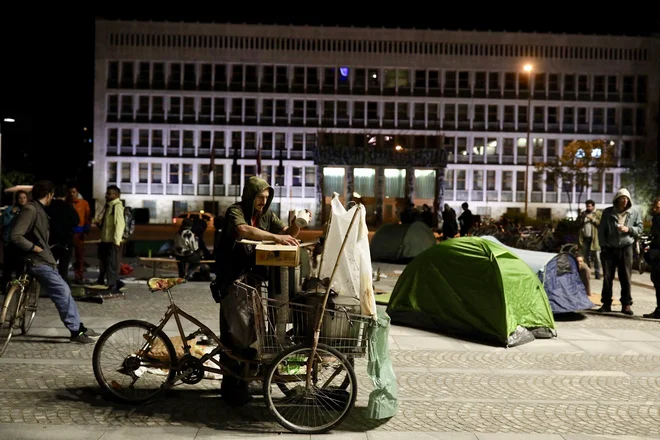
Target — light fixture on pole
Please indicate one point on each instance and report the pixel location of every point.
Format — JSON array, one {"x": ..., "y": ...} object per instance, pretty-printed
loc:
[
  {"x": 9, "y": 121},
  {"x": 528, "y": 68}
]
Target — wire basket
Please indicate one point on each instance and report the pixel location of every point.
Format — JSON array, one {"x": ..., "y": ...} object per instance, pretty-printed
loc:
[{"x": 280, "y": 324}]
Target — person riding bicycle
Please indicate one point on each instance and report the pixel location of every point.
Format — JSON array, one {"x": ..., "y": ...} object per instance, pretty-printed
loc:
[
  {"x": 31, "y": 235},
  {"x": 251, "y": 219}
]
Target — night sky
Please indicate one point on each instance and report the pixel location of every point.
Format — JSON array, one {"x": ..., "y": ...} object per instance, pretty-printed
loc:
[{"x": 46, "y": 62}]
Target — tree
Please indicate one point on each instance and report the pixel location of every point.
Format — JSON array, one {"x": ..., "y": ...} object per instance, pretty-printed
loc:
[
  {"x": 579, "y": 160},
  {"x": 641, "y": 180}
]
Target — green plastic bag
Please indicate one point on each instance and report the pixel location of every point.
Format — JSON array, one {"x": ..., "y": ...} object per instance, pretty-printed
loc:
[{"x": 383, "y": 401}]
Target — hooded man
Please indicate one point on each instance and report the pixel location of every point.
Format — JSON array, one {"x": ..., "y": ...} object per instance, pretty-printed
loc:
[
  {"x": 619, "y": 227},
  {"x": 251, "y": 219}
]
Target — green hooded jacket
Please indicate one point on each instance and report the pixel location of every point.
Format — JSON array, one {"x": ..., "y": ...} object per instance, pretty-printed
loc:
[{"x": 233, "y": 259}]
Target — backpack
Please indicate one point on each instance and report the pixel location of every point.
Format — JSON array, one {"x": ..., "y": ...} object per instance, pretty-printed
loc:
[{"x": 129, "y": 220}]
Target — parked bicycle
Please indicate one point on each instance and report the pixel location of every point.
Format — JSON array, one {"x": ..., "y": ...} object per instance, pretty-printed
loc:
[{"x": 19, "y": 308}]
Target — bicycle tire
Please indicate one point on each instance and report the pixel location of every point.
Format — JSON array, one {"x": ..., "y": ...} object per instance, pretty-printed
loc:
[
  {"x": 8, "y": 318},
  {"x": 108, "y": 388},
  {"x": 281, "y": 419},
  {"x": 32, "y": 300}
]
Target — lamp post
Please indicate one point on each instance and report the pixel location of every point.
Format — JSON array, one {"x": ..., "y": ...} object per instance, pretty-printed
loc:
[
  {"x": 528, "y": 68},
  {"x": 9, "y": 121}
]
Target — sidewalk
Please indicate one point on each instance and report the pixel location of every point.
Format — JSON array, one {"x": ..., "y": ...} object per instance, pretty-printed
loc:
[{"x": 599, "y": 379}]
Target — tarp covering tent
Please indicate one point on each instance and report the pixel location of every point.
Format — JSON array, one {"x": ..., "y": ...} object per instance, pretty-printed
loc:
[
  {"x": 397, "y": 243},
  {"x": 560, "y": 277},
  {"x": 472, "y": 287}
]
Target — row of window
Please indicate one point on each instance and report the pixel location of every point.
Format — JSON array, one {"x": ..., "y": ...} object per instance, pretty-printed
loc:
[
  {"x": 374, "y": 46},
  {"x": 359, "y": 80},
  {"x": 459, "y": 149},
  {"x": 331, "y": 113},
  {"x": 200, "y": 174}
]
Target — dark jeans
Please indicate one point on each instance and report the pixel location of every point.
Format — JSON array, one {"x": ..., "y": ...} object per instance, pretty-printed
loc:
[
  {"x": 192, "y": 261},
  {"x": 590, "y": 256},
  {"x": 617, "y": 259},
  {"x": 63, "y": 257},
  {"x": 109, "y": 264}
]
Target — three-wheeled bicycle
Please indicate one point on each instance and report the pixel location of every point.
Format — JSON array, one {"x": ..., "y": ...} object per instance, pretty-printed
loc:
[{"x": 304, "y": 355}]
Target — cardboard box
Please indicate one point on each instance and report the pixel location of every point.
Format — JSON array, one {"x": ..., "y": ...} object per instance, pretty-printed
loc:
[{"x": 277, "y": 255}]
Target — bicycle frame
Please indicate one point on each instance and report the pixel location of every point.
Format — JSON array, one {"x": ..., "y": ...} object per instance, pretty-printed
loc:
[{"x": 174, "y": 310}]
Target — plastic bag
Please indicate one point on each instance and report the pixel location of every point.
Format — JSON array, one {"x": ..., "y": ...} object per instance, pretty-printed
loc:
[
  {"x": 383, "y": 401},
  {"x": 237, "y": 309}
]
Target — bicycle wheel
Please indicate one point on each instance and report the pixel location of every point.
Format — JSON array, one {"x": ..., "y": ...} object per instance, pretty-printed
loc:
[
  {"x": 130, "y": 369},
  {"x": 324, "y": 404},
  {"x": 31, "y": 298},
  {"x": 9, "y": 316}
]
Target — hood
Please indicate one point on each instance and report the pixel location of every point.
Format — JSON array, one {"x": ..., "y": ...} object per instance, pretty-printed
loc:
[
  {"x": 623, "y": 192},
  {"x": 254, "y": 186}
]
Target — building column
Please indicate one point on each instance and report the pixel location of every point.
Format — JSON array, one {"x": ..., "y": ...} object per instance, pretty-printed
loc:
[
  {"x": 439, "y": 193},
  {"x": 410, "y": 187},
  {"x": 350, "y": 184},
  {"x": 379, "y": 190},
  {"x": 320, "y": 202}
]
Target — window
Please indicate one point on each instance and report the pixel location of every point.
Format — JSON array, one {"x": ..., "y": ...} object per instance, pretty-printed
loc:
[
  {"x": 112, "y": 137},
  {"x": 490, "y": 180},
  {"x": 425, "y": 184},
  {"x": 174, "y": 173},
  {"x": 310, "y": 177},
  {"x": 187, "y": 174},
  {"x": 477, "y": 180},
  {"x": 449, "y": 180},
  {"x": 126, "y": 172},
  {"x": 395, "y": 182},
  {"x": 156, "y": 173},
  {"x": 296, "y": 176},
  {"x": 112, "y": 172},
  {"x": 480, "y": 80},
  {"x": 507, "y": 180},
  {"x": 494, "y": 81},
  {"x": 151, "y": 206}
]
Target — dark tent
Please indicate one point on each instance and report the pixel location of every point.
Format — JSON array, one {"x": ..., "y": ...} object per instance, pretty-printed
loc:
[
  {"x": 560, "y": 277},
  {"x": 397, "y": 243},
  {"x": 472, "y": 287}
]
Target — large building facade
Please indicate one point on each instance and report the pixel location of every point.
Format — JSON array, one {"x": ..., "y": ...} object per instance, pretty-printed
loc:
[{"x": 185, "y": 112}]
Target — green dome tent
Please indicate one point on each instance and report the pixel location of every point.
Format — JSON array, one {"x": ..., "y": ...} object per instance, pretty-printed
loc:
[
  {"x": 400, "y": 243},
  {"x": 473, "y": 287}
]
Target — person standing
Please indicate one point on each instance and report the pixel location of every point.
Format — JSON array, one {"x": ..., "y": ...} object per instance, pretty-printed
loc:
[
  {"x": 654, "y": 258},
  {"x": 588, "y": 237},
  {"x": 620, "y": 226},
  {"x": 112, "y": 232},
  {"x": 12, "y": 257},
  {"x": 31, "y": 234},
  {"x": 84, "y": 224},
  {"x": 63, "y": 219}
]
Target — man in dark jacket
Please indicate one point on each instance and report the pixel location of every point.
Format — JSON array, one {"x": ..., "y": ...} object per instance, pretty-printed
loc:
[
  {"x": 251, "y": 219},
  {"x": 654, "y": 257},
  {"x": 620, "y": 225},
  {"x": 466, "y": 219},
  {"x": 31, "y": 234},
  {"x": 63, "y": 220}
]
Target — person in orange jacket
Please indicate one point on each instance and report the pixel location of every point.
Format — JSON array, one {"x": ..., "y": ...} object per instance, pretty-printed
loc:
[{"x": 82, "y": 208}]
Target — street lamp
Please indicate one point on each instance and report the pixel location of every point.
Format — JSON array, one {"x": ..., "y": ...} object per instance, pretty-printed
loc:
[
  {"x": 8, "y": 121},
  {"x": 528, "y": 68}
]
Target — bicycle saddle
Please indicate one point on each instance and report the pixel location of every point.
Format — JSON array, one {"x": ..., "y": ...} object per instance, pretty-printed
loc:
[{"x": 156, "y": 284}]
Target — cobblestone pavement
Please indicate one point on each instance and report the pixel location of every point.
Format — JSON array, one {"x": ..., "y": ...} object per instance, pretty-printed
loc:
[{"x": 600, "y": 377}]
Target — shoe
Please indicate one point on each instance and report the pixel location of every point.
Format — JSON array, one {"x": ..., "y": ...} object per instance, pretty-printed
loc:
[
  {"x": 627, "y": 310},
  {"x": 91, "y": 333},
  {"x": 82, "y": 338},
  {"x": 119, "y": 284},
  {"x": 597, "y": 276},
  {"x": 654, "y": 315},
  {"x": 605, "y": 308}
]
